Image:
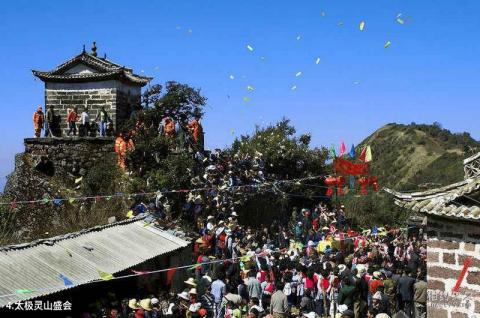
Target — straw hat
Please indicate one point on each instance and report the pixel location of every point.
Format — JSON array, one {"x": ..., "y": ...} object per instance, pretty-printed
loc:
[
  {"x": 234, "y": 214},
  {"x": 377, "y": 275},
  {"x": 377, "y": 296},
  {"x": 154, "y": 301},
  {"x": 210, "y": 217},
  {"x": 192, "y": 291},
  {"x": 133, "y": 304},
  {"x": 208, "y": 278},
  {"x": 146, "y": 304},
  {"x": 190, "y": 282}
]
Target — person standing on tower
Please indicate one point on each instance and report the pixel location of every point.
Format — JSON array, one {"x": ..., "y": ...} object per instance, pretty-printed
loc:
[{"x": 38, "y": 120}]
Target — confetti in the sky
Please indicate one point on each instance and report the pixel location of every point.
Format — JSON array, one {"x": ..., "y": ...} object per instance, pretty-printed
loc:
[
  {"x": 340, "y": 23},
  {"x": 294, "y": 87},
  {"x": 156, "y": 68},
  {"x": 262, "y": 58},
  {"x": 362, "y": 25},
  {"x": 231, "y": 77},
  {"x": 246, "y": 99},
  {"x": 387, "y": 44},
  {"x": 356, "y": 82},
  {"x": 399, "y": 15},
  {"x": 250, "y": 87},
  {"x": 298, "y": 74},
  {"x": 400, "y": 21},
  {"x": 178, "y": 27},
  {"x": 323, "y": 13},
  {"x": 249, "y": 47},
  {"x": 299, "y": 37},
  {"x": 232, "y": 131},
  {"x": 190, "y": 31},
  {"x": 317, "y": 61}
]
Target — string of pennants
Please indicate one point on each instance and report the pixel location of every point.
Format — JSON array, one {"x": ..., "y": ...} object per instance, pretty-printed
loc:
[{"x": 71, "y": 200}]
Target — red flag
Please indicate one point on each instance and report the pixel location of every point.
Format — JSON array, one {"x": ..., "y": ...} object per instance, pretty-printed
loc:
[
  {"x": 170, "y": 274},
  {"x": 466, "y": 264},
  {"x": 343, "y": 149}
]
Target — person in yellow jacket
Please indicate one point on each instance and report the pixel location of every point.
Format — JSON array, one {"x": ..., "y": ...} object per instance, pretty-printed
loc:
[{"x": 38, "y": 120}]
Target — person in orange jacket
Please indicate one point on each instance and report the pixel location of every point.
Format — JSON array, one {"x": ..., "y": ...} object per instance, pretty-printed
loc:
[
  {"x": 169, "y": 127},
  {"x": 38, "y": 120},
  {"x": 121, "y": 150}
]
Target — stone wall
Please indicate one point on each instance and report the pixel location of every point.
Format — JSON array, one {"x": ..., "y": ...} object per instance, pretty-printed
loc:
[
  {"x": 117, "y": 98},
  {"x": 449, "y": 243},
  {"x": 70, "y": 156}
]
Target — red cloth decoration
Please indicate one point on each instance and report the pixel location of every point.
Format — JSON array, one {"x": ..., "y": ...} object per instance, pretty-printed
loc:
[
  {"x": 374, "y": 183},
  {"x": 363, "y": 184},
  {"x": 330, "y": 182},
  {"x": 344, "y": 166}
]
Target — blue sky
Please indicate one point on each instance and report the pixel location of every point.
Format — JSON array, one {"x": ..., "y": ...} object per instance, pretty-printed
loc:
[{"x": 429, "y": 73}]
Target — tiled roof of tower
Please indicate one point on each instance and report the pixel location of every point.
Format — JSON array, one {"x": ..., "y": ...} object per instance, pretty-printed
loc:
[{"x": 104, "y": 69}]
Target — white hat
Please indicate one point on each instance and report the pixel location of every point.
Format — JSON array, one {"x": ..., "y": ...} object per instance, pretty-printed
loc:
[
  {"x": 234, "y": 213},
  {"x": 310, "y": 243},
  {"x": 377, "y": 296},
  {"x": 192, "y": 291},
  {"x": 190, "y": 281},
  {"x": 183, "y": 295},
  {"x": 154, "y": 301},
  {"x": 310, "y": 315},
  {"x": 210, "y": 217},
  {"x": 342, "y": 308},
  {"x": 342, "y": 268}
]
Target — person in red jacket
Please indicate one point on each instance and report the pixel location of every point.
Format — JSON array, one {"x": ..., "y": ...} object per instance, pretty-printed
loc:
[{"x": 72, "y": 118}]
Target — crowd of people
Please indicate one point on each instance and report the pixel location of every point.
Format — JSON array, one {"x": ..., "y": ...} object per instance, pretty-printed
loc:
[{"x": 314, "y": 266}]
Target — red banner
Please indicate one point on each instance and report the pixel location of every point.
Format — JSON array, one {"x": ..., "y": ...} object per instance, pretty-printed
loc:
[{"x": 343, "y": 166}]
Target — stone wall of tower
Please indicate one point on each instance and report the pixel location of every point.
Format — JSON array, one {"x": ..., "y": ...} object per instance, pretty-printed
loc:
[{"x": 117, "y": 99}]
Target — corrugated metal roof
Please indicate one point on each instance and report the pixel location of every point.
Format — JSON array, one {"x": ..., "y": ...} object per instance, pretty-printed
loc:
[{"x": 112, "y": 248}]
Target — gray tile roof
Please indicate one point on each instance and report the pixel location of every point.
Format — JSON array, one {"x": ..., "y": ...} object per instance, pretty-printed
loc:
[
  {"x": 106, "y": 70},
  {"x": 111, "y": 248},
  {"x": 440, "y": 201}
]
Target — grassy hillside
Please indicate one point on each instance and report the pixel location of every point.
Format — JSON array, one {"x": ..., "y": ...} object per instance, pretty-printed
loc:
[{"x": 410, "y": 157}]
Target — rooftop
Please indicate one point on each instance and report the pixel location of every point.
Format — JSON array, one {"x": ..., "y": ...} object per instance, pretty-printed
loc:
[
  {"x": 447, "y": 201},
  {"x": 87, "y": 67},
  {"x": 38, "y": 265}
]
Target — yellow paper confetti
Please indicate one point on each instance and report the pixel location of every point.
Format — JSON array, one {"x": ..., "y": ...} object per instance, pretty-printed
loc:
[
  {"x": 250, "y": 87},
  {"x": 317, "y": 61},
  {"x": 130, "y": 214},
  {"x": 250, "y": 48},
  {"x": 400, "y": 21},
  {"x": 362, "y": 25},
  {"x": 387, "y": 44},
  {"x": 104, "y": 275},
  {"x": 294, "y": 87},
  {"x": 246, "y": 99},
  {"x": 78, "y": 180},
  {"x": 298, "y": 74},
  {"x": 71, "y": 200}
]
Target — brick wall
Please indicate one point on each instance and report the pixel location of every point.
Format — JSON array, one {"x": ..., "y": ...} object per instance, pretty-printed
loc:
[
  {"x": 117, "y": 98},
  {"x": 449, "y": 243},
  {"x": 63, "y": 100}
]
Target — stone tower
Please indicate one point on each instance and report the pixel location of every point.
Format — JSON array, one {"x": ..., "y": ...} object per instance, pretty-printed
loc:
[{"x": 87, "y": 81}]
